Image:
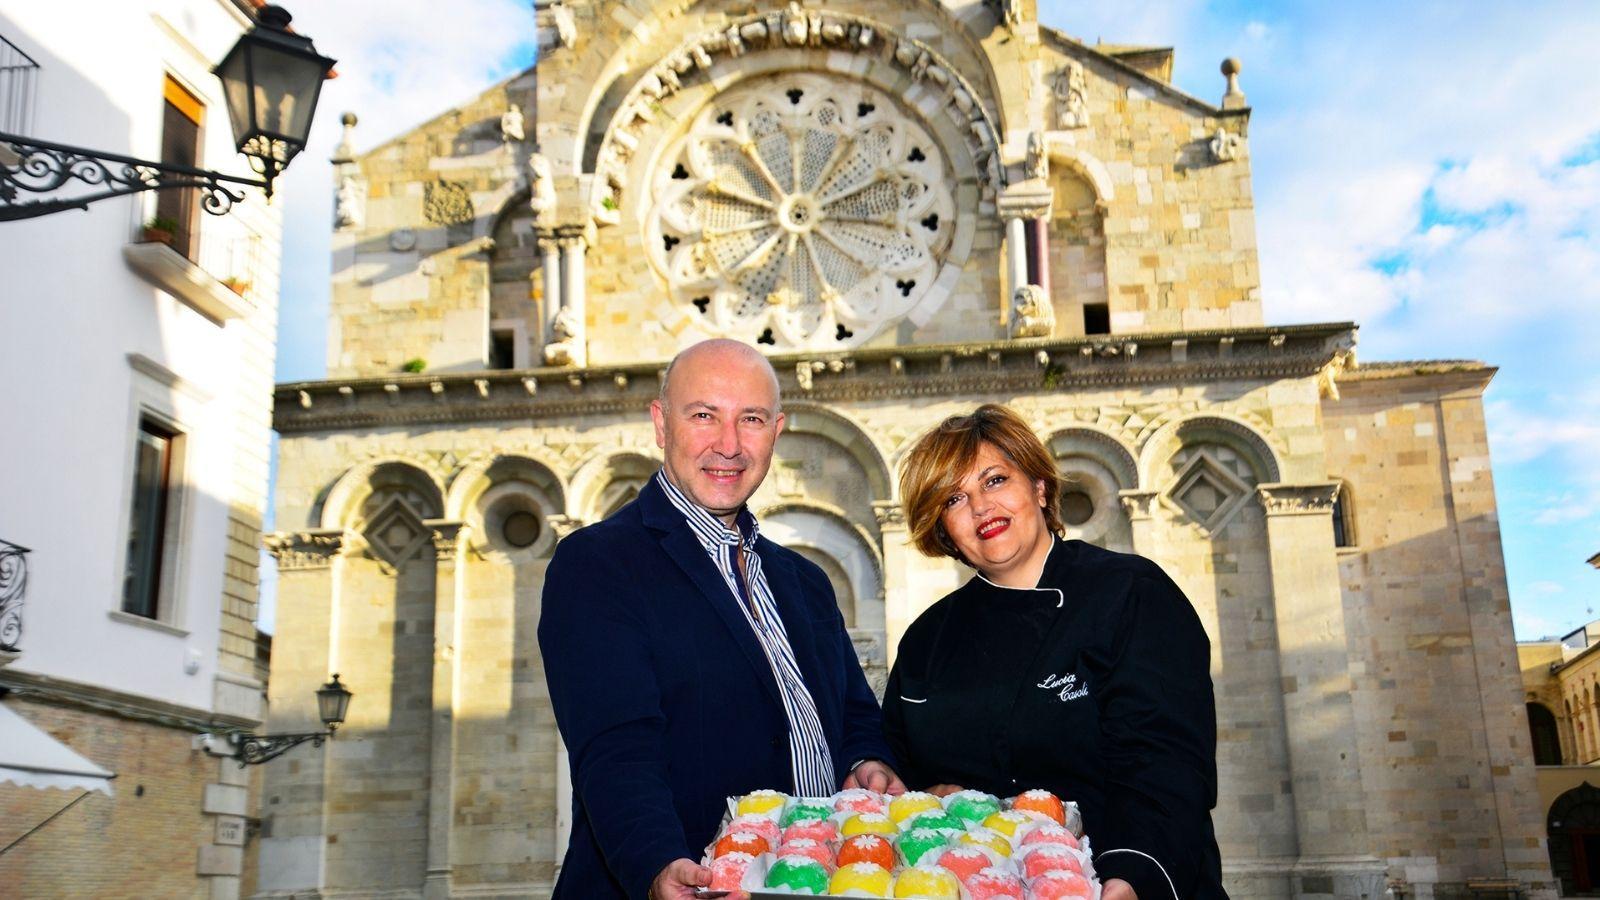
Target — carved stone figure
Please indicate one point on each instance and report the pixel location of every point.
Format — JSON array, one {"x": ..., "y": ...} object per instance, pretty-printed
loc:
[
  {"x": 1031, "y": 312},
  {"x": 1071, "y": 93},
  {"x": 541, "y": 187},
  {"x": 1038, "y": 164},
  {"x": 564, "y": 330},
  {"x": 511, "y": 124},
  {"x": 1226, "y": 147},
  {"x": 347, "y": 212}
]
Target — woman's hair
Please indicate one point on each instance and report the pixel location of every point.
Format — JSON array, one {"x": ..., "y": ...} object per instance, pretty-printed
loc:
[{"x": 941, "y": 458}]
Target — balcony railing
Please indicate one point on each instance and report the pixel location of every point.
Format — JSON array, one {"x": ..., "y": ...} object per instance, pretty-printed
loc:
[
  {"x": 13, "y": 584},
  {"x": 18, "y": 76}
]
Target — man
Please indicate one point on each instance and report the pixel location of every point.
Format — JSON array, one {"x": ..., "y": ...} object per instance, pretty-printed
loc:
[{"x": 690, "y": 659}]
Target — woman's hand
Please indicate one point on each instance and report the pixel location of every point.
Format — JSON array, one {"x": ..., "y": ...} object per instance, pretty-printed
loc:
[
  {"x": 1117, "y": 889},
  {"x": 679, "y": 880},
  {"x": 945, "y": 790}
]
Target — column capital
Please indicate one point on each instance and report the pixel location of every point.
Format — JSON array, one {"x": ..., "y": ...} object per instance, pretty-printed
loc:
[
  {"x": 1139, "y": 505},
  {"x": 1026, "y": 200},
  {"x": 447, "y": 538},
  {"x": 310, "y": 549},
  {"x": 891, "y": 515},
  {"x": 1313, "y": 498},
  {"x": 564, "y": 525}
]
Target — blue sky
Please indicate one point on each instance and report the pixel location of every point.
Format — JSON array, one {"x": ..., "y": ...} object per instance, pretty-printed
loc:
[{"x": 1430, "y": 170}]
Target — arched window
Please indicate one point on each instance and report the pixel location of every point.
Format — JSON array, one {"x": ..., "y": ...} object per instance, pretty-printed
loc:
[
  {"x": 1546, "y": 739},
  {"x": 1344, "y": 522}
]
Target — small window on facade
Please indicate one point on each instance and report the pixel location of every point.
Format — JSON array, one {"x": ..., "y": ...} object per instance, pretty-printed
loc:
[
  {"x": 1096, "y": 318},
  {"x": 502, "y": 349},
  {"x": 1546, "y": 738},
  {"x": 182, "y": 115},
  {"x": 1344, "y": 532},
  {"x": 147, "y": 526}
]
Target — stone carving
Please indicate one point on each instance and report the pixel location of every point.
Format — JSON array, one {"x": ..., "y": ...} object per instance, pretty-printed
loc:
[
  {"x": 402, "y": 240},
  {"x": 1226, "y": 147},
  {"x": 1038, "y": 162},
  {"x": 564, "y": 334},
  {"x": 889, "y": 515},
  {"x": 347, "y": 211},
  {"x": 345, "y": 151},
  {"x": 557, "y": 27},
  {"x": 793, "y": 27},
  {"x": 1009, "y": 12},
  {"x": 1071, "y": 93},
  {"x": 447, "y": 203},
  {"x": 1232, "y": 96},
  {"x": 1139, "y": 505},
  {"x": 301, "y": 550},
  {"x": 796, "y": 217},
  {"x": 511, "y": 124},
  {"x": 541, "y": 187},
  {"x": 1298, "y": 499},
  {"x": 1032, "y": 314},
  {"x": 446, "y": 538},
  {"x": 563, "y": 525}
]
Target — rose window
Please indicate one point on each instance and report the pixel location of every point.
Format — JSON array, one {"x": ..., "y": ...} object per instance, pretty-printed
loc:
[{"x": 808, "y": 211}]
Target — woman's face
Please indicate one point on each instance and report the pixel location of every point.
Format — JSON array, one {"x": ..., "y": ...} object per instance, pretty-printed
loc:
[{"x": 995, "y": 516}]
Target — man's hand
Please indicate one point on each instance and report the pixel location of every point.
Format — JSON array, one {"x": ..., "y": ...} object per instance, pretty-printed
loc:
[
  {"x": 679, "y": 880},
  {"x": 874, "y": 775},
  {"x": 1117, "y": 889},
  {"x": 945, "y": 790}
]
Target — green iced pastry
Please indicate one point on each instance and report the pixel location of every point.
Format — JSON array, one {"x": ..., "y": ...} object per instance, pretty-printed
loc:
[
  {"x": 939, "y": 821},
  {"x": 805, "y": 812},
  {"x": 918, "y": 841},
  {"x": 972, "y": 806},
  {"x": 800, "y": 874}
]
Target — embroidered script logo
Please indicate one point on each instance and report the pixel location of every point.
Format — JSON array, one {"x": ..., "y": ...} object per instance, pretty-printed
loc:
[{"x": 1067, "y": 685}]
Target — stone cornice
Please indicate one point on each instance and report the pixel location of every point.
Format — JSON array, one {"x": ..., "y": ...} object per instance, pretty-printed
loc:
[
  {"x": 1028, "y": 366},
  {"x": 1450, "y": 375},
  {"x": 60, "y": 692},
  {"x": 1312, "y": 498},
  {"x": 310, "y": 549}
]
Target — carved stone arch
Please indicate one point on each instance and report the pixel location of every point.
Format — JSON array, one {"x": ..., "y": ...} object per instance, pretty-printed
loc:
[
  {"x": 345, "y": 496},
  {"x": 1084, "y": 440},
  {"x": 593, "y": 478},
  {"x": 1573, "y": 814},
  {"x": 751, "y": 38},
  {"x": 1085, "y": 166},
  {"x": 1221, "y": 426},
  {"x": 810, "y": 418},
  {"x": 507, "y": 502},
  {"x": 826, "y": 530}
]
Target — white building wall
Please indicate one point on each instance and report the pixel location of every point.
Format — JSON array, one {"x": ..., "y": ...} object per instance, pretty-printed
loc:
[{"x": 85, "y": 341}]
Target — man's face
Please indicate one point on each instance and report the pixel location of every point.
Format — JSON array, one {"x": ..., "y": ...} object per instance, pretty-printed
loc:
[{"x": 716, "y": 427}]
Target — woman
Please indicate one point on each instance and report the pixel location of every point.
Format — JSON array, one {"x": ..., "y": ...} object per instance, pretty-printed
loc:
[{"x": 1059, "y": 666}]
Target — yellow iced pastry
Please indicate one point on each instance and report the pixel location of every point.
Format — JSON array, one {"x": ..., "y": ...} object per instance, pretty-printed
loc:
[
  {"x": 862, "y": 879},
  {"x": 760, "y": 803},
  {"x": 986, "y": 837},
  {"x": 927, "y": 883},
  {"x": 910, "y": 803},
  {"x": 868, "y": 823},
  {"x": 1007, "y": 822}
]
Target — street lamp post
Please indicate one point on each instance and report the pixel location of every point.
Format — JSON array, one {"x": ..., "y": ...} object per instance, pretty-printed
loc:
[
  {"x": 333, "y": 700},
  {"x": 270, "y": 79}
]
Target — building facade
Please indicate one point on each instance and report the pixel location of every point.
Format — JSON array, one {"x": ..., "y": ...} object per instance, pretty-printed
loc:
[
  {"x": 914, "y": 207},
  {"x": 135, "y": 456}
]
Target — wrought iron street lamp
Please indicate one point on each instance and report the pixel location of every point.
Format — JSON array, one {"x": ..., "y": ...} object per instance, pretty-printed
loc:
[
  {"x": 333, "y": 700},
  {"x": 270, "y": 79}
]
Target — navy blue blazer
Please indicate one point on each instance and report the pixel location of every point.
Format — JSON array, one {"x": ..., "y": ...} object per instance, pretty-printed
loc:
[{"x": 664, "y": 697}]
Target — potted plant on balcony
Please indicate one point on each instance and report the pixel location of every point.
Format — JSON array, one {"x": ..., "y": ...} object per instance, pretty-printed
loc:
[
  {"x": 236, "y": 284},
  {"x": 160, "y": 230}
]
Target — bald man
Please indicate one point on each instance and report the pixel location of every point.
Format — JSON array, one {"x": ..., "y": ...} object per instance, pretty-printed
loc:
[{"x": 690, "y": 659}]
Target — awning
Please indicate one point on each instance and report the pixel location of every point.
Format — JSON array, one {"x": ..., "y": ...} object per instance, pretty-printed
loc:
[{"x": 31, "y": 758}]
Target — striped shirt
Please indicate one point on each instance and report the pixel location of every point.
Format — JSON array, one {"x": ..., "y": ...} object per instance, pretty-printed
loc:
[{"x": 809, "y": 756}]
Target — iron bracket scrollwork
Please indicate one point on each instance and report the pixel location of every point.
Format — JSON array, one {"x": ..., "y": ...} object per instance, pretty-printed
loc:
[
  {"x": 13, "y": 584},
  {"x": 253, "y": 749},
  {"x": 40, "y": 167}
]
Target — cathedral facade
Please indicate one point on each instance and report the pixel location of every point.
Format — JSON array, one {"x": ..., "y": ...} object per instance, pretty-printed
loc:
[{"x": 913, "y": 207}]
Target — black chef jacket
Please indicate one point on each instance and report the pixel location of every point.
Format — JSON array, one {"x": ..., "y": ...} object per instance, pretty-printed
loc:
[{"x": 1096, "y": 686}]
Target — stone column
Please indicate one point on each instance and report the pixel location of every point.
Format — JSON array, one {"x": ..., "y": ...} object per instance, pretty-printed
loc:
[
  {"x": 1140, "y": 507},
  {"x": 310, "y": 566},
  {"x": 1319, "y": 714},
  {"x": 1016, "y": 253},
  {"x": 1022, "y": 206},
  {"x": 899, "y": 608},
  {"x": 551, "y": 270},
  {"x": 1041, "y": 253},
  {"x": 447, "y": 612},
  {"x": 570, "y": 327}
]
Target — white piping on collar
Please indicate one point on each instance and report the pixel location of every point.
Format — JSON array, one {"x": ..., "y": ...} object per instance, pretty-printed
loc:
[
  {"x": 1061, "y": 598},
  {"x": 1163, "y": 869}
]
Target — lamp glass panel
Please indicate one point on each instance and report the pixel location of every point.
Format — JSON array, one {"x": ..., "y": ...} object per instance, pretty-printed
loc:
[{"x": 286, "y": 87}]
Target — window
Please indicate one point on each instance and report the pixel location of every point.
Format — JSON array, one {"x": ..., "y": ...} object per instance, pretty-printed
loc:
[
  {"x": 1344, "y": 526},
  {"x": 1097, "y": 318},
  {"x": 18, "y": 76},
  {"x": 502, "y": 349},
  {"x": 1546, "y": 740},
  {"x": 147, "y": 526},
  {"x": 181, "y": 117}
]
